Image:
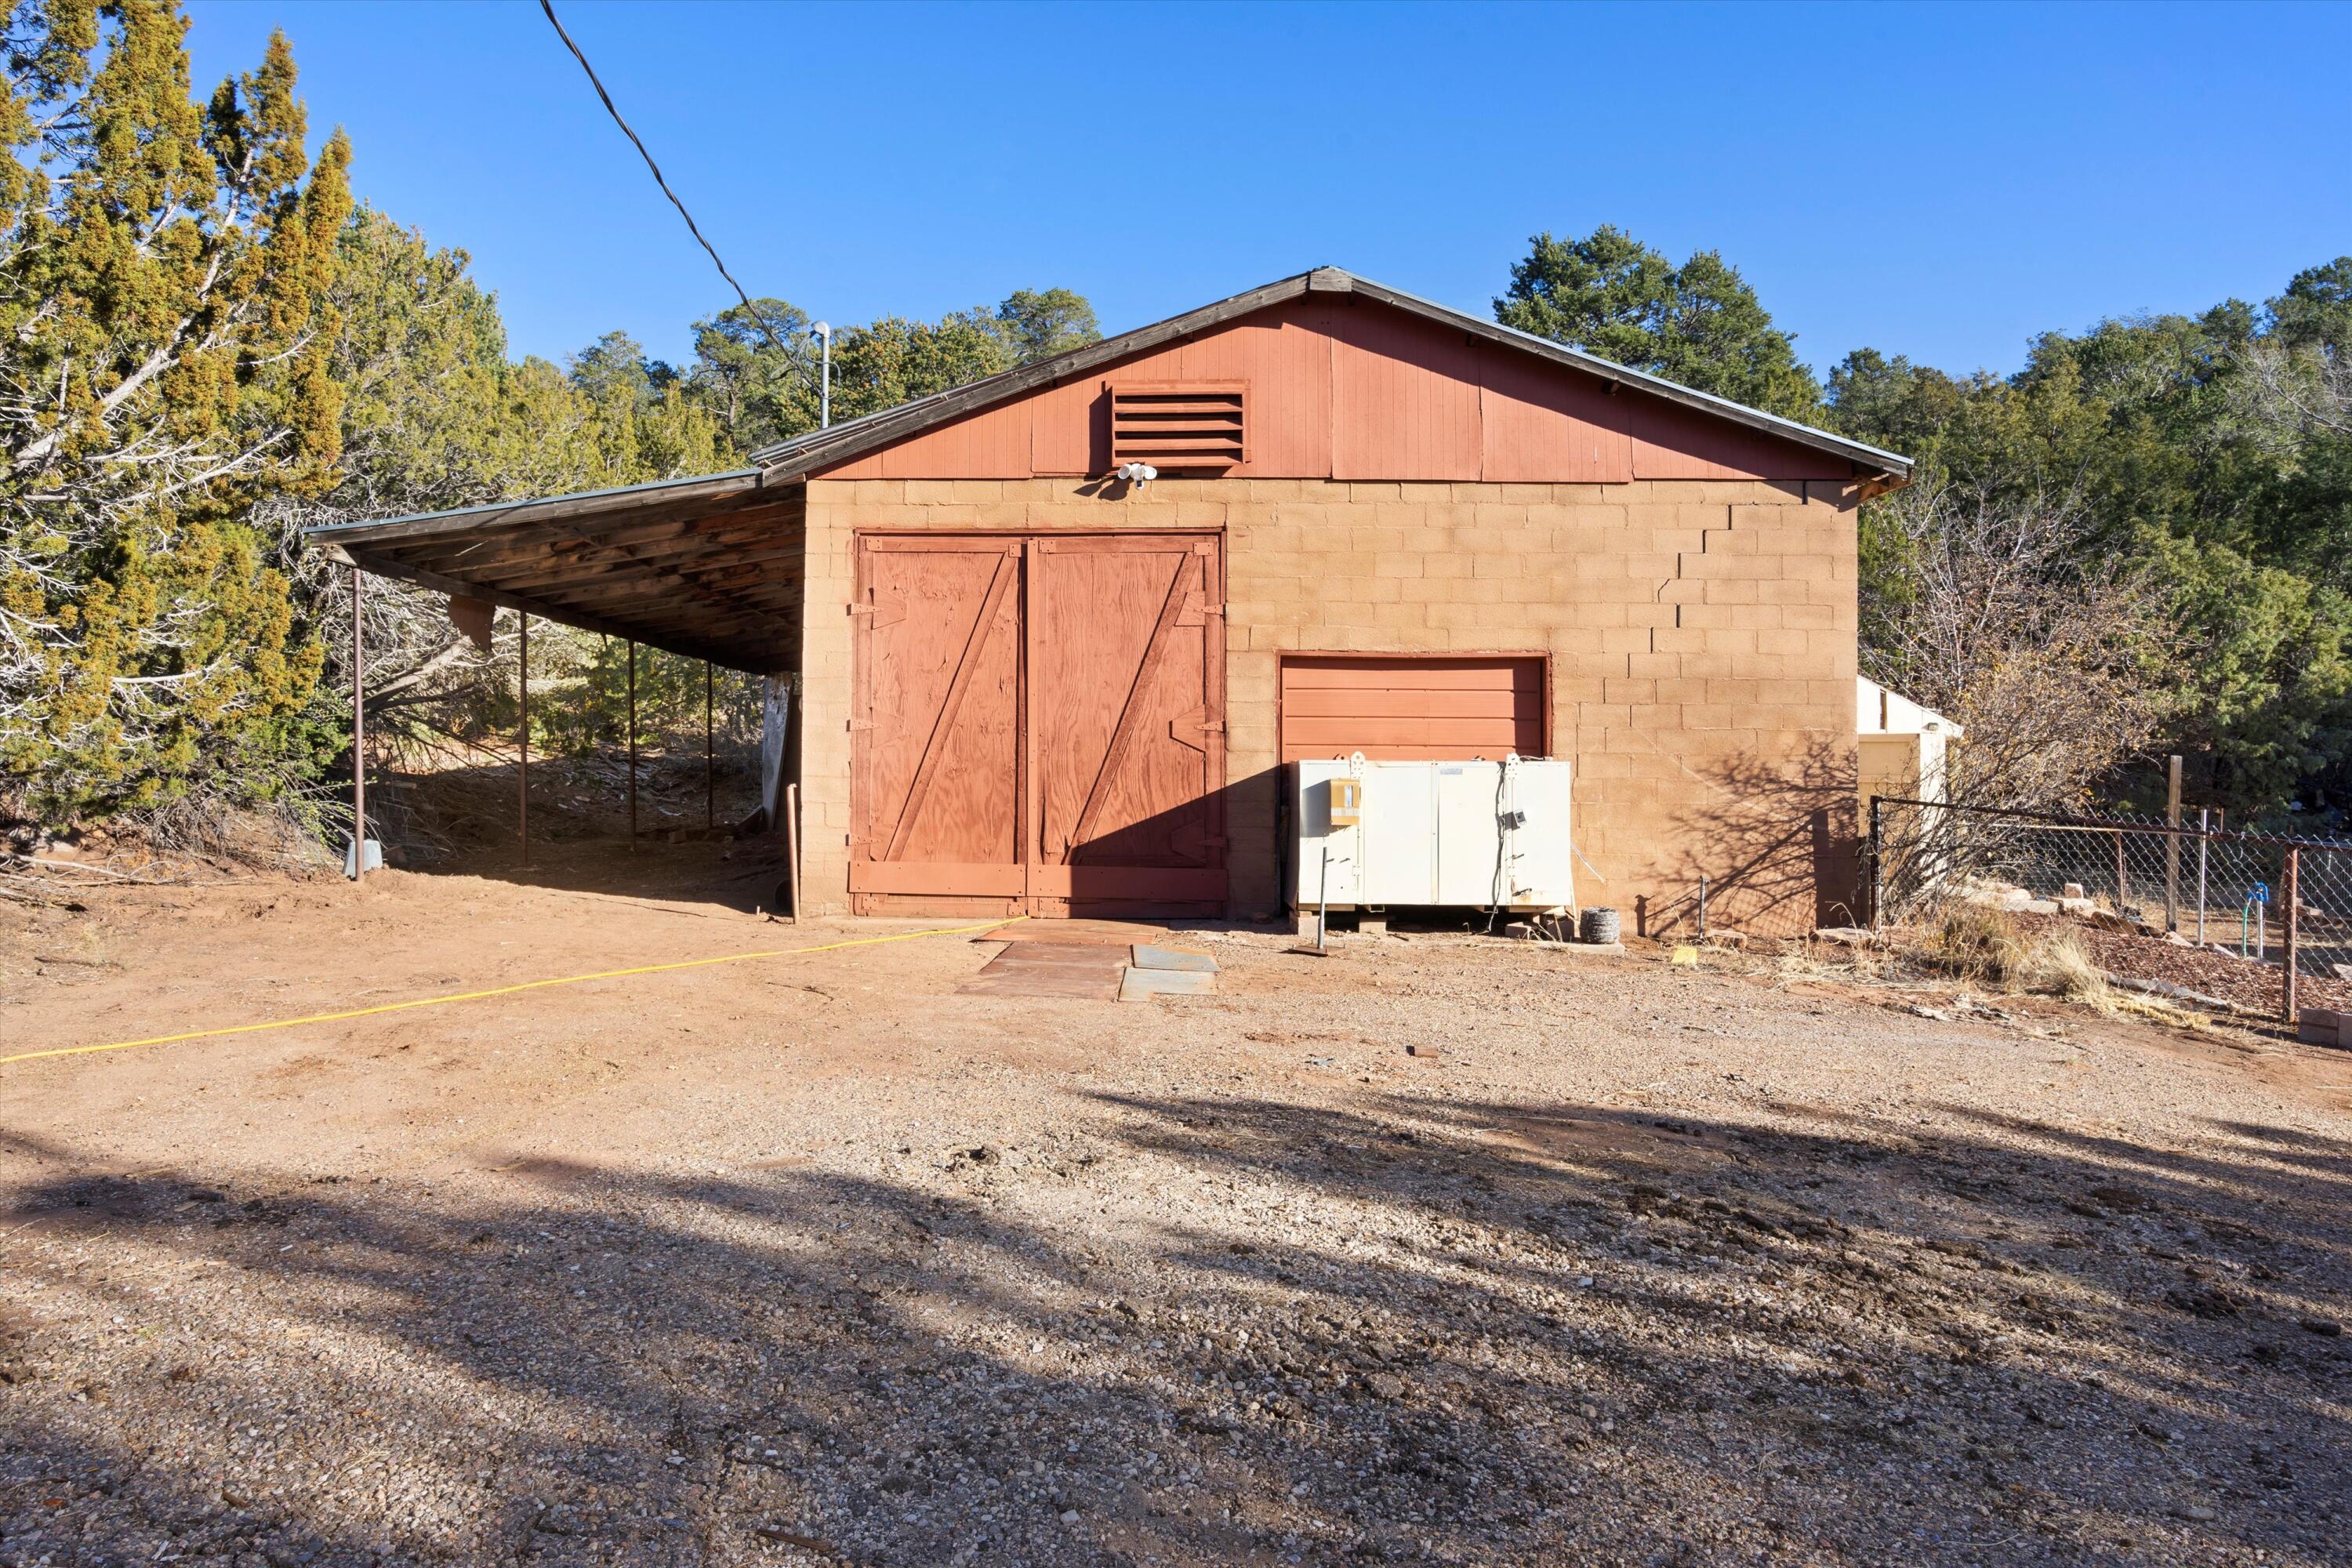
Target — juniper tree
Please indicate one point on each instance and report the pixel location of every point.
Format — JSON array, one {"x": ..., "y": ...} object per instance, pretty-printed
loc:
[{"x": 161, "y": 368}]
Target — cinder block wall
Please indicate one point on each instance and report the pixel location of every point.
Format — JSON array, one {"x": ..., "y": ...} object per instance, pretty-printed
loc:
[{"x": 1702, "y": 635}]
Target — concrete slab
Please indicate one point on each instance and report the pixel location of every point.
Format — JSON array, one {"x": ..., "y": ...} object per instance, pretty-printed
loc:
[
  {"x": 1150, "y": 957},
  {"x": 2324, "y": 1027},
  {"x": 1142, "y": 985}
]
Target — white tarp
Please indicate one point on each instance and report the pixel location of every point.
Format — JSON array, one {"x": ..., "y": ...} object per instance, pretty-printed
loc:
[{"x": 775, "y": 715}]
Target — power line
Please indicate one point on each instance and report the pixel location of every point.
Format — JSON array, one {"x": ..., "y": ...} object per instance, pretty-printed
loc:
[{"x": 757, "y": 318}]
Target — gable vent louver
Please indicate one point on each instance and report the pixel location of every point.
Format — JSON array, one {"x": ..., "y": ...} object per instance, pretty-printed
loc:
[{"x": 1174, "y": 425}]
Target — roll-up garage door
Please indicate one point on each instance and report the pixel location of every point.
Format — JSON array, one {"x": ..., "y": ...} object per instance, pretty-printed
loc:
[{"x": 1413, "y": 708}]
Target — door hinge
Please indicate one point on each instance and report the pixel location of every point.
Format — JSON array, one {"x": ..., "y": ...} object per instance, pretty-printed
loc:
[{"x": 1198, "y": 611}]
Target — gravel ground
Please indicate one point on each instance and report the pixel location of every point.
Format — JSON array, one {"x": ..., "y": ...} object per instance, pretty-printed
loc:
[{"x": 1441, "y": 1250}]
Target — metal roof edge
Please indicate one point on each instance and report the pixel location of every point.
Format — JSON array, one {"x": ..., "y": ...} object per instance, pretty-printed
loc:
[
  {"x": 802, "y": 455},
  {"x": 855, "y": 437},
  {"x": 1895, "y": 463},
  {"x": 578, "y": 501}
]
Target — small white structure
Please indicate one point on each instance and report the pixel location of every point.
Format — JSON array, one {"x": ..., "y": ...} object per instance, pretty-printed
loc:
[
  {"x": 1903, "y": 745},
  {"x": 1479, "y": 835}
]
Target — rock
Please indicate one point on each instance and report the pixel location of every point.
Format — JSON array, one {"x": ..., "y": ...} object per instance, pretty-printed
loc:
[
  {"x": 779, "y": 1534},
  {"x": 1069, "y": 1516},
  {"x": 2080, "y": 908},
  {"x": 1386, "y": 1385},
  {"x": 2196, "y": 1513},
  {"x": 1423, "y": 1053},
  {"x": 2073, "y": 890},
  {"x": 2202, "y": 1301},
  {"x": 2324, "y": 1327},
  {"x": 2341, "y": 970}
]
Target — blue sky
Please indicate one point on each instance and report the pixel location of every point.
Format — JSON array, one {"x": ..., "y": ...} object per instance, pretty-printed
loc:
[{"x": 1941, "y": 182}]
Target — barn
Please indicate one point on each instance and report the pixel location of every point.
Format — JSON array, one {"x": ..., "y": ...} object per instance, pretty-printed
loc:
[{"x": 1025, "y": 683}]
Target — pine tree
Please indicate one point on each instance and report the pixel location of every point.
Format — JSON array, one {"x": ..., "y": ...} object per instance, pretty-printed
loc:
[{"x": 1699, "y": 324}]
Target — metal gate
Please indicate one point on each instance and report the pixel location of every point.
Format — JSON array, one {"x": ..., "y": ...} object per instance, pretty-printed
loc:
[{"x": 1040, "y": 724}]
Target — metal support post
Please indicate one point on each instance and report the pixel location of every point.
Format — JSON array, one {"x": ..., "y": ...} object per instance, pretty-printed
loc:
[
  {"x": 633, "y": 744},
  {"x": 1877, "y": 861},
  {"x": 1702, "y": 909},
  {"x": 709, "y": 772},
  {"x": 2204, "y": 842},
  {"x": 359, "y": 736},
  {"x": 2121, "y": 887},
  {"x": 2293, "y": 864},
  {"x": 2172, "y": 845},
  {"x": 523, "y": 771}
]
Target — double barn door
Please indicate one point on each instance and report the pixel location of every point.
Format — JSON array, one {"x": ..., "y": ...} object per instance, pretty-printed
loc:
[{"x": 1039, "y": 724}]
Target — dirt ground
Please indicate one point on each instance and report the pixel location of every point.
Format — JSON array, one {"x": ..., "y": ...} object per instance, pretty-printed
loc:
[{"x": 1439, "y": 1250}]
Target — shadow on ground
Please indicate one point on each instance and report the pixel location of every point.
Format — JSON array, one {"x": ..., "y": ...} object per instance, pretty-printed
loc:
[{"x": 1395, "y": 1333}]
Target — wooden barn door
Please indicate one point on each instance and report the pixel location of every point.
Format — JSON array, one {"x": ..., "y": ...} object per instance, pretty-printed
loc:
[
  {"x": 1039, "y": 725},
  {"x": 935, "y": 753},
  {"x": 1126, "y": 725}
]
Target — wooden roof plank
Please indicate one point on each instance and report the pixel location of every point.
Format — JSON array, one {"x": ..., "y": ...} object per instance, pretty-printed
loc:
[{"x": 744, "y": 656}]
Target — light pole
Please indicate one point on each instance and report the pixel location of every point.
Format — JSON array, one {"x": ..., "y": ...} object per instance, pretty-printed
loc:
[{"x": 823, "y": 332}]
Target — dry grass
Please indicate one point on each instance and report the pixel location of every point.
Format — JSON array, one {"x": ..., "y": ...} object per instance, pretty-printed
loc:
[
  {"x": 1984, "y": 946},
  {"x": 1979, "y": 944},
  {"x": 2060, "y": 966}
]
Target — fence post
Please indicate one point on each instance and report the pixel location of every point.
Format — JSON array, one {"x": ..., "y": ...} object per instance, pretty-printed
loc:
[
  {"x": 2172, "y": 846},
  {"x": 2120, "y": 888},
  {"x": 2293, "y": 864},
  {"x": 1702, "y": 909},
  {"x": 1877, "y": 860},
  {"x": 2204, "y": 839}
]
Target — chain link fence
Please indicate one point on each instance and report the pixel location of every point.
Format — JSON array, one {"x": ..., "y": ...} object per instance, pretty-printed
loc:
[{"x": 2259, "y": 921}]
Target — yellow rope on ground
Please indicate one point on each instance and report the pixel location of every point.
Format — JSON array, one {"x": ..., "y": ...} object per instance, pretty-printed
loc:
[{"x": 507, "y": 991}]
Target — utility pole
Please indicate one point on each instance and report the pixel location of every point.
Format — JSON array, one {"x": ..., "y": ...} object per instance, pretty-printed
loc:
[{"x": 823, "y": 332}]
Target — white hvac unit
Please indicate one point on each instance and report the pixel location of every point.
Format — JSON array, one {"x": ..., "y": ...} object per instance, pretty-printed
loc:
[{"x": 1489, "y": 836}]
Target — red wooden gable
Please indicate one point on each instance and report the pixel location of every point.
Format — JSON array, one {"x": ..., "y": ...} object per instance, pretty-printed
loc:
[{"x": 1339, "y": 387}]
